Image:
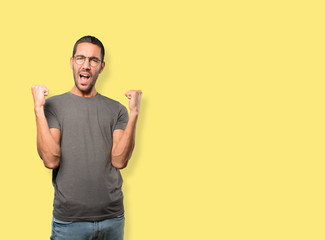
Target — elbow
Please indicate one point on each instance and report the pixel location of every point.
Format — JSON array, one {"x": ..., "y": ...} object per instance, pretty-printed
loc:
[
  {"x": 119, "y": 162},
  {"x": 119, "y": 165},
  {"x": 51, "y": 165},
  {"x": 52, "y": 162}
]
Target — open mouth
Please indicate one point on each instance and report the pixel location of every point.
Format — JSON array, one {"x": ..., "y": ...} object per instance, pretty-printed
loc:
[{"x": 84, "y": 78}]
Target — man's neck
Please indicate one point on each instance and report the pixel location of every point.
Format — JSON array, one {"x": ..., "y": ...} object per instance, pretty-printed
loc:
[{"x": 91, "y": 93}]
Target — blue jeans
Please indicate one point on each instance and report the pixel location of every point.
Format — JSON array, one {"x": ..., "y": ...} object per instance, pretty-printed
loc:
[{"x": 109, "y": 229}]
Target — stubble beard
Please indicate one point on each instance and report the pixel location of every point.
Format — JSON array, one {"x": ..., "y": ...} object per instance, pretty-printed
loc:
[{"x": 91, "y": 84}]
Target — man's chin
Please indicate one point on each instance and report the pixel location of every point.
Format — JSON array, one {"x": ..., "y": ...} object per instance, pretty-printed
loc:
[{"x": 84, "y": 88}]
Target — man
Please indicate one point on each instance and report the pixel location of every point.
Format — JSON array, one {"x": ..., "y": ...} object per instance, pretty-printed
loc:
[{"x": 86, "y": 138}]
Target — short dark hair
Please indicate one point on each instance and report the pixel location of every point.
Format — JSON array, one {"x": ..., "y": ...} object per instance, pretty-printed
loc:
[{"x": 89, "y": 39}]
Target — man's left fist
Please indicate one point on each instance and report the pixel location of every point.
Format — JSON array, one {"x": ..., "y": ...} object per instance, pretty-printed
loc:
[{"x": 135, "y": 99}]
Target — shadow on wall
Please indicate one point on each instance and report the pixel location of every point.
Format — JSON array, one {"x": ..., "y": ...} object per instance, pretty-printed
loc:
[
  {"x": 135, "y": 159},
  {"x": 103, "y": 78},
  {"x": 100, "y": 85},
  {"x": 136, "y": 155}
]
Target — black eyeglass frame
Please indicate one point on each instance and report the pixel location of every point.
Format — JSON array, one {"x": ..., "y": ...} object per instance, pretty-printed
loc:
[{"x": 91, "y": 60}]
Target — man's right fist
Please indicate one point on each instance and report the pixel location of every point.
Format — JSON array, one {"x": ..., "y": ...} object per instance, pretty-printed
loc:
[{"x": 39, "y": 92}]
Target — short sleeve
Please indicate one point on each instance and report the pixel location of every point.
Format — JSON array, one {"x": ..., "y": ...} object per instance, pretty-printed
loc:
[
  {"x": 50, "y": 115},
  {"x": 122, "y": 118}
]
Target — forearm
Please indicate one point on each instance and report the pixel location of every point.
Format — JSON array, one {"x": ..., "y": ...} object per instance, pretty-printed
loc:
[
  {"x": 47, "y": 148},
  {"x": 121, "y": 153}
]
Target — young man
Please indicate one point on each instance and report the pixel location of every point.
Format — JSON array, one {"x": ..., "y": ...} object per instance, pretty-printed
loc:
[{"x": 86, "y": 138}]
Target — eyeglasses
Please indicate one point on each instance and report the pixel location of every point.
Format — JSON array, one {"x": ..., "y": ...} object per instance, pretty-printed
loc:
[{"x": 93, "y": 61}]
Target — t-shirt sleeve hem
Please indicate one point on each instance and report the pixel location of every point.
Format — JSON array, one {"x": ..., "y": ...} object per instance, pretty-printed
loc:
[{"x": 122, "y": 127}]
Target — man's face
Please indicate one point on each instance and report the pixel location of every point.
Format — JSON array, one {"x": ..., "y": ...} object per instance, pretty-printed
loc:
[{"x": 85, "y": 74}]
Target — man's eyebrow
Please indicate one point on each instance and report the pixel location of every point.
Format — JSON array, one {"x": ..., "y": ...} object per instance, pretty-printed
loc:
[
  {"x": 95, "y": 58},
  {"x": 92, "y": 57}
]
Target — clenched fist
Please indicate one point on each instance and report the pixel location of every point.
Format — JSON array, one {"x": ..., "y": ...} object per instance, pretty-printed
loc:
[
  {"x": 135, "y": 99},
  {"x": 39, "y": 92}
]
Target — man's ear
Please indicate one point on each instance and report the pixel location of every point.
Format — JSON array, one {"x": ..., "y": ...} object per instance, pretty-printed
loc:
[
  {"x": 102, "y": 67},
  {"x": 71, "y": 63}
]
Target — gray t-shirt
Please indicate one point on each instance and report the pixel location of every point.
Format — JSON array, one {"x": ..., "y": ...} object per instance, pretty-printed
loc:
[{"x": 87, "y": 186}]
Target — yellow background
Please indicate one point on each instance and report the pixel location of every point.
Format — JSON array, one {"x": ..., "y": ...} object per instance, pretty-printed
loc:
[{"x": 230, "y": 140}]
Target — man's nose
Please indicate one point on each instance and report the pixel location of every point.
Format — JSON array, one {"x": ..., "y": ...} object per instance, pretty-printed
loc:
[{"x": 86, "y": 64}]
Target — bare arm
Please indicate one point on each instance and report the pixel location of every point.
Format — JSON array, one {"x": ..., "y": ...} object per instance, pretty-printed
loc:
[
  {"x": 124, "y": 140},
  {"x": 48, "y": 140}
]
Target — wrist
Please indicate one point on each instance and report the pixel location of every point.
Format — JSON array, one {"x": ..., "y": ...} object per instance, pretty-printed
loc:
[
  {"x": 134, "y": 113},
  {"x": 39, "y": 110}
]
